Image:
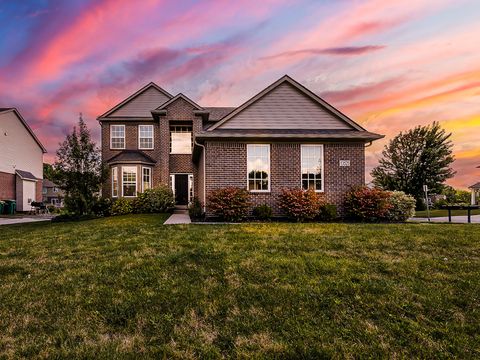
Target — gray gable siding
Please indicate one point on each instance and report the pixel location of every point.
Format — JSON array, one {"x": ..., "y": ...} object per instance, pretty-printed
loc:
[
  {"x": 141, "y": 105},
  {"x": 285, "y": 108}
]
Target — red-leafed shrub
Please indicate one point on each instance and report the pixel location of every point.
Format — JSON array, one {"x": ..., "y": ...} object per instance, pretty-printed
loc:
[
  {"x": 365, "y": 204},
  {"x": 300, "y": 205},
  {"x": 230, "y": 203}
]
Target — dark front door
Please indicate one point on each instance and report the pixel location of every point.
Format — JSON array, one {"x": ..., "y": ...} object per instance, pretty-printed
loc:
[{"x": 181, "y": 189}]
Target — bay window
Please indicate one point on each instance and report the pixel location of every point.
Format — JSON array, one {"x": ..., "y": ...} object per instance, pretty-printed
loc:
[
  {"x": 258, "y": 167},
  {"x": 114, "y": 182},
  {"x": 129, "y": 181},
  {"x": 312, "y": 167},
  {"x": 146, "y": 178}
]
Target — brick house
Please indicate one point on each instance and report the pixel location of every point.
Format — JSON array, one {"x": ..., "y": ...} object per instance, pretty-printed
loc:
[
  {"x": 21, "y": 160},
  {"x": 283, "y": 137}
]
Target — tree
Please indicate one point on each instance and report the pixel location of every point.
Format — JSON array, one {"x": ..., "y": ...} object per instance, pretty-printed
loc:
[
  {"x": 79, "y": 170},
  {"x": 421, "y": 156},
  {"x": 48, "y": 171}
]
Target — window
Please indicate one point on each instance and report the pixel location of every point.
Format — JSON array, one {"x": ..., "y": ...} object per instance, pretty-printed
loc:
[
  {"x": 147, "y": 178},
  {"x": 145, "y": 136},
  {"x": 44, "y": 190},
  {"x": 180, "y": 140},
  {"x": 258, "y": 167},
  {"x": 114, "y": 182},
  {"x": 312, "y": 167},
  {"x": 117, "y": 136},
  {"x": 129, "y": 181}
]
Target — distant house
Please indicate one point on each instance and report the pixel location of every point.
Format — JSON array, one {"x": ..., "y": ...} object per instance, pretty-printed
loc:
[
  {"x": 21, "y": 160},
  {"x": 52, "y": 195},
  {"x": 285, "y": 136},
  {"x": 475, "y": 189}
]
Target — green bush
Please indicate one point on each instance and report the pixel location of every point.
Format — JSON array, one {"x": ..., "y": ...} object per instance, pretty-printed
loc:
[
  {"x": 328, "y": 212},
  {"x": 230, "y": 203},
  {"x": 300, "y": 205},
  {"x": 195, "y": 209},
  {"x": 102, "y": 206},
  {"x": 159, "y": 199},
  {"x": 263, "y": 212},
  {"x": 122, "y": 206},
  {"x": 402, "y": 206}
]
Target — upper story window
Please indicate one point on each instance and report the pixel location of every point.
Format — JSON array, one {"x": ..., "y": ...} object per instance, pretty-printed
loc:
[
  {"x": 312, "y": 167},
  {"x": 180, "y": 140},
  {"x": 258, "y": 167},
  {"x": 145, "y": 136},
  {"x": 117, "y": 136}
]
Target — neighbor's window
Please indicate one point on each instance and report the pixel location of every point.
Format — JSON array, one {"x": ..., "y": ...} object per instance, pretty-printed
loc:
[
  {"x": 145, "y": 136},
  {"x": 312, "y": 167},
  {"x": 181, "y": 140},
  {"x": 114, "y": 182},
  {"x": 117, "y": 136},
  {"x": 147, "y": 178},
  {"x": 258, "y": 167},
  {"x": 129, "y": 181}
]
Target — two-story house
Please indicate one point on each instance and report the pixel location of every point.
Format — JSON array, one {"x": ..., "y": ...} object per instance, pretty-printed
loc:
[
  {"x": 21, "y": 160},
  {"x": 284, "y": 137}
]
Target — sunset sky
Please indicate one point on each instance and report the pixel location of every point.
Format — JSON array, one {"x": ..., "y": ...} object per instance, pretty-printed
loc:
[{"x": 389, "y": 65}]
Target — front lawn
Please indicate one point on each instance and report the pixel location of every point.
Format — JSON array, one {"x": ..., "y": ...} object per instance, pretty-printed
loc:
[
  {"x": 444, "y": 213},
  {"x": 131, "y": 287}
]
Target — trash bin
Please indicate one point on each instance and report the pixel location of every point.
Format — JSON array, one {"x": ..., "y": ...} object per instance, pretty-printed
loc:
[
  {"x": 10, "y": 207},
  {"x": 1, "y": 207}
]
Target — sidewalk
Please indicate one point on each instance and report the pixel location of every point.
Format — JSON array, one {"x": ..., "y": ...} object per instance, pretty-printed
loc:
[
  {"x": 21, "y": 220},
  {"x": 455, "y": 219},
  {"x": 178, "y": 218}
]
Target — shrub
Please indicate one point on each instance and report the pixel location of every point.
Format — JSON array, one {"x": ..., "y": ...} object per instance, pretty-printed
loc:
[
  {"x": 365, "y": 204},
  {"x": 122, "y": 206},
  {"x": 230, "y": 203},
  {"x": 195, "y": 209},
  {"x": 102, "y": 206},
  {"x": 328, "y": 212},
  {"x": 263, "y": 212},
  {"x": 402, "y": 206},
  {"x": 156, "y": 200},
  {"x": 300, "y": 205}
]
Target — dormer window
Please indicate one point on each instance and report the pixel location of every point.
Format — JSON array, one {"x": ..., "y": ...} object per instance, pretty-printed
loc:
[
  {"x": 145, "y": 137},
  {"x": 117, "y": 136}
]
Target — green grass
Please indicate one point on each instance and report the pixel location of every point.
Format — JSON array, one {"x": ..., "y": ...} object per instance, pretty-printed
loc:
[
  {"x": 442, "y": 213},
  {"x": 128, "y": 287}
]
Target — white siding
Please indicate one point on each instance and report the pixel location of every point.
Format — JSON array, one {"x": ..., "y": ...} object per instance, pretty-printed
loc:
[
  {"x": 141, "y": 105},
  {"x": 18, "y": 150},
  {"x": 285, "y": 107}
]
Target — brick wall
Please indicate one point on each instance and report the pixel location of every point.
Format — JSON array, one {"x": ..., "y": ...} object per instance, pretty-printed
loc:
[
  {"x": 226, "y": 165},
  {"x": 7, "y": 186}
]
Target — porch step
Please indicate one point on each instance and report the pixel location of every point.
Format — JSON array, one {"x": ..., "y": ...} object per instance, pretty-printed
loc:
[{"x": 180, "y": 209}]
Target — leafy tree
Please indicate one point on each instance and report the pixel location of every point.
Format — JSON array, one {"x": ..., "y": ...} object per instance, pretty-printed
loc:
[
  {"x": 79, "y": 170},
  {"x": 48, "y": 171},
  {"x": 420, "y": 156}
]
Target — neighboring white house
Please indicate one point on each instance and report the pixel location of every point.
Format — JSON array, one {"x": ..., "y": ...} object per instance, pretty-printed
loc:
[{"x": 21, "y": 160}]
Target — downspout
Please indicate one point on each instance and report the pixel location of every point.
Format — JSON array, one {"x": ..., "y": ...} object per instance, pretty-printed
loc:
[{"x": 204, "y": 171}]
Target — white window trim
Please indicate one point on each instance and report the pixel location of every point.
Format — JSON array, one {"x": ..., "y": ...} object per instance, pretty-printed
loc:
[
  {"x": 115, "y": 169},
  {"x": 269, "y": 170},
  {"x": 323, "y": 166},
  {"x": 150, "y": 177},
  {"x": 111, "y": 137},
  {"x": 136, "y": 180},
  {"x": 153, "y": 137}
]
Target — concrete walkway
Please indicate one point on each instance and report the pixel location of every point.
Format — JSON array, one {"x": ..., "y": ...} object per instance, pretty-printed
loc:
[
  {"x": 455, "y": 219},
  {"x": 21, "y": 220},
  {"x": 179, "y": 217}
]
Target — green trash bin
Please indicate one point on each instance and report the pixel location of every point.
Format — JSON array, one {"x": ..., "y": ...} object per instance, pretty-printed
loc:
[
  {"x": 10, "y": 207},
  {"x": 1, "y": 207}
]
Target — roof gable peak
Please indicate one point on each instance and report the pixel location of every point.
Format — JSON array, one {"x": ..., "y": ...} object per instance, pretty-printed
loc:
[{"x": 180, "y": 96}]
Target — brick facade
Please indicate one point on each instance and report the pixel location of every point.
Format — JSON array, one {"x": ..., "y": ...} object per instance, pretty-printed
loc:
[
  {"x": 7, "y": 186},
  {"x": 226, "y": 165}
]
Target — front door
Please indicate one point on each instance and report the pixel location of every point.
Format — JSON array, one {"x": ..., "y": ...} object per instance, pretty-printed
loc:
[{"x": 181, "y": 189}]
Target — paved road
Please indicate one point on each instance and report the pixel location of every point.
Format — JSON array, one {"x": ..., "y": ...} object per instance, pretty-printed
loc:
[
  {"x": 455, "y": 219},
  {"x": 21, "y": 220}
]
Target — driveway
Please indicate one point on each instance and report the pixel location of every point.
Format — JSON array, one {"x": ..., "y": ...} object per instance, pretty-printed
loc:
[
  {"x": 455, "y": 219},
  {"x": 21, "y": 220}
]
